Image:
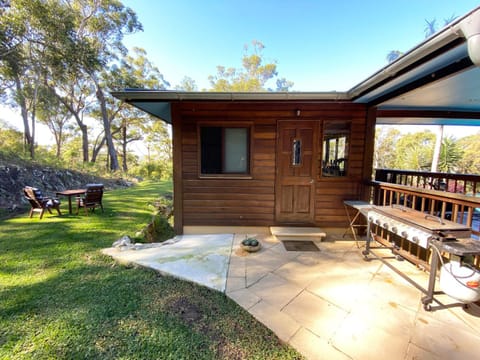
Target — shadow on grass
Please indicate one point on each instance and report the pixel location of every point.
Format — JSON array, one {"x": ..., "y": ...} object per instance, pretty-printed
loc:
[
  {"x": 60, "y": 298},
  {"x": 91, "y": 311},
  {"x": 104, "y": 311}
]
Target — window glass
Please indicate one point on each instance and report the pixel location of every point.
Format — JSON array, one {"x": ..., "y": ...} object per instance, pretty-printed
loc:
[
  {"x": 236, "y": 150},
  {"x": 211, "y": 150},
  {"x": 335, "y": 149},
  {"x": 224, "y": 150}
]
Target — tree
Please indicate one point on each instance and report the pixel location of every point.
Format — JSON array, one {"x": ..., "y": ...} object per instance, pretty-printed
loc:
[
  {"x": 386, "y": 139},
  {"x": 102, "y": 25},
  {"x": 134, "y": 72},
  {"x": 430, "y": 29},
  {"x": 40, "y": 47},
  {"x": 470, "y": 148},
  {"x": 450, "y": 155},
  {"x": 76, "y": 95},
  {"x": 414, "y": 151},
  {"x": 187, "y": 84},
  {"x": 10, "y": 138},
  {"x": 393, "y": 55},
  {"x": 56, "y": 116},
  {"x": 23, "y": 28},
  {"x": 253, "y": 76},
  {"x": 159, "y": 147}
]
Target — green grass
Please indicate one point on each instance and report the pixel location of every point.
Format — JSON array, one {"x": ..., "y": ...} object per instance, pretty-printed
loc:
[{"x": 60, "y": 298}]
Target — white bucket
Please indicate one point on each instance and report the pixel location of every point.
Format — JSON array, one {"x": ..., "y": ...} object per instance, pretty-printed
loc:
[{"x": 460, "y": 282}]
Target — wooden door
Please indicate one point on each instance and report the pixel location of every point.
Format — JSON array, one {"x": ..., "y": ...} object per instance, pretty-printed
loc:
[{"x": 295, "y": 176}]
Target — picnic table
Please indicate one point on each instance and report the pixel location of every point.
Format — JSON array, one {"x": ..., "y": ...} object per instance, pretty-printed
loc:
[{"x": 69, "y": 194}]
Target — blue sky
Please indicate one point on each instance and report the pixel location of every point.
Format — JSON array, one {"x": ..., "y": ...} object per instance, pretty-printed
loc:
[{"x": 319, "y": 45}]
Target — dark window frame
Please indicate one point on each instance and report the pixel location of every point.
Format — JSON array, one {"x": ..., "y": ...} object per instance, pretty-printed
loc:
[{"x": 236, "y": 125}]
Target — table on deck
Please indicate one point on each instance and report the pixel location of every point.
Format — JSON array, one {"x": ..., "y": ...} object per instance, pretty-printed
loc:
[
  {"x": 69, "y": 194},
  {"x": 360, "y": 207}
]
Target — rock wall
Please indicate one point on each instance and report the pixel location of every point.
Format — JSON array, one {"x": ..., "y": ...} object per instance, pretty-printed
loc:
[{"x": 14, "y": 177}]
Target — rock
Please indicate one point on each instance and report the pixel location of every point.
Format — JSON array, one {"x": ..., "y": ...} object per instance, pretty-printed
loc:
[
  {"x": 123, "y": 241},
  {"x": 14, "y": 177}
]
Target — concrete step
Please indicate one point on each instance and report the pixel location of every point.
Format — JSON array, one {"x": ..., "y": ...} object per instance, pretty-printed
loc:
[{"x": 297, "y": 233}]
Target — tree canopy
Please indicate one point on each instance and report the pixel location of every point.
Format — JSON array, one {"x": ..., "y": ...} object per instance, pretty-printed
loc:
[
  {"x": 59, "y": 60},
  {"x": 413, "y": 151},
  {"x": 253, "y": 76}
]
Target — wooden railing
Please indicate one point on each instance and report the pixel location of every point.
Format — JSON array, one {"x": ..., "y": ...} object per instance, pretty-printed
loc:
[
  {"x": 459, "y": 208},
  {"x": 455, "y": 183}
]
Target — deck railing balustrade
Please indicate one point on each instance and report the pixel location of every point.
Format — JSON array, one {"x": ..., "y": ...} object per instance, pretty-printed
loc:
[
  {"x": 458, "y": 201},
  {"x": 466, "y": 184}
]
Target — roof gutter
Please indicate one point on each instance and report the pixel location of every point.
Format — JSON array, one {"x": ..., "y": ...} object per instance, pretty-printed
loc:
[
  {"x": 167, "y": 95},
  {"x": 467, "y": 27}
]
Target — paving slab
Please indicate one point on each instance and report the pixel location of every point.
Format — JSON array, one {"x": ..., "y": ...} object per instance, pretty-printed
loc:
[
  {"x": 275, "y": 290},
  {"x": 330, "y": 304},
  {"x": 202, "y": 259},
  {"x": 282, "y": 324},
  {"x": 316, "y": 314},
  {"x": 314, "y": 347}
]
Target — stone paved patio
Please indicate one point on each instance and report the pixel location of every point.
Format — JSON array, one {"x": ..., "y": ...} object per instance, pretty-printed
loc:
[
  {"x": 329, "y": 304},
  {"x": 334, "y": 305}
]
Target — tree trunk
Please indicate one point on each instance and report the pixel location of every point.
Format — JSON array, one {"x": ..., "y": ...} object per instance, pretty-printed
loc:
[
  {"x": 58, "y": 140},
  {"x": 81, "y": 125},
  {"x": 124, "y": 147},
  {"x": 106, "y": 124},
  {"x": 32, "y": 144},
  {"x": 83, "y": 129},
  {"x": 96, "y": 150},
  {"x": 32, "y": 118},
  {"x": 24, "y": 112}
]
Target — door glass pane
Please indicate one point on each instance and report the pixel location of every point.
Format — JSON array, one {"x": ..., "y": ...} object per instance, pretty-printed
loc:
[
  {"x": 236, "y": 150},
  {"x": 297, "y": 152}
]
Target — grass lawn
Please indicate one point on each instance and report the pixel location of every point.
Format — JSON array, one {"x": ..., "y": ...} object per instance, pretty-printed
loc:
[{"x": 60, "y": 298}]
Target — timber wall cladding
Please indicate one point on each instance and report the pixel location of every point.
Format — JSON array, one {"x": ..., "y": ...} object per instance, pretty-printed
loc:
[{"x": 251, "y": 202}]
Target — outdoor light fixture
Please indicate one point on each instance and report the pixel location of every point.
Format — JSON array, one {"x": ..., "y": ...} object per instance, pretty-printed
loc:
[{"x": 470, "y": 27}]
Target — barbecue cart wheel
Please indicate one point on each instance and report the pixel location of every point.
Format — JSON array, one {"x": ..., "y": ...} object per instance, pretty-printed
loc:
[
  {"x": 427, "y": 303},
  {"x": 365, "y": 255}
]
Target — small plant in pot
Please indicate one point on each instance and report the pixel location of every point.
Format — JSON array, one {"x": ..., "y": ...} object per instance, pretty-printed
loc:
[{"x": 250, "y": 244}]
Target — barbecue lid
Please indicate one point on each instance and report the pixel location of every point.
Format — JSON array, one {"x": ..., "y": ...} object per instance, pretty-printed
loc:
[{"x": 417, "y": 218}]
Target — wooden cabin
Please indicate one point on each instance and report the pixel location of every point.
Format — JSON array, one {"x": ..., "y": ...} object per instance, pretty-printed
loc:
[
  {"x": 263, "y": 162},
  {"x": 262, "y": 159}
]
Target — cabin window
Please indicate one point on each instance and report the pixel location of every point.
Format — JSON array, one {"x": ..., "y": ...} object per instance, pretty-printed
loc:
[
  {"x": 224, "y": 150},
  {"x": 335, "y": 148}
]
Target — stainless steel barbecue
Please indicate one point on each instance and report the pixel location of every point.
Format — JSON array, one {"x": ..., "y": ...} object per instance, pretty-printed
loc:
[
  {"x": 429, "y": 232},
  {"x": 416, "y": 226}
]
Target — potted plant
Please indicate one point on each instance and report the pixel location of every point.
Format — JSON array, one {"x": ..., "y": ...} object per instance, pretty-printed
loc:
[{"x": 250, "y": 244}]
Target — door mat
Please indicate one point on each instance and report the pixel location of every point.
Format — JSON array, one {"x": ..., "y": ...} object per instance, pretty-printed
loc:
[{"x": 300, "y": 245}]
